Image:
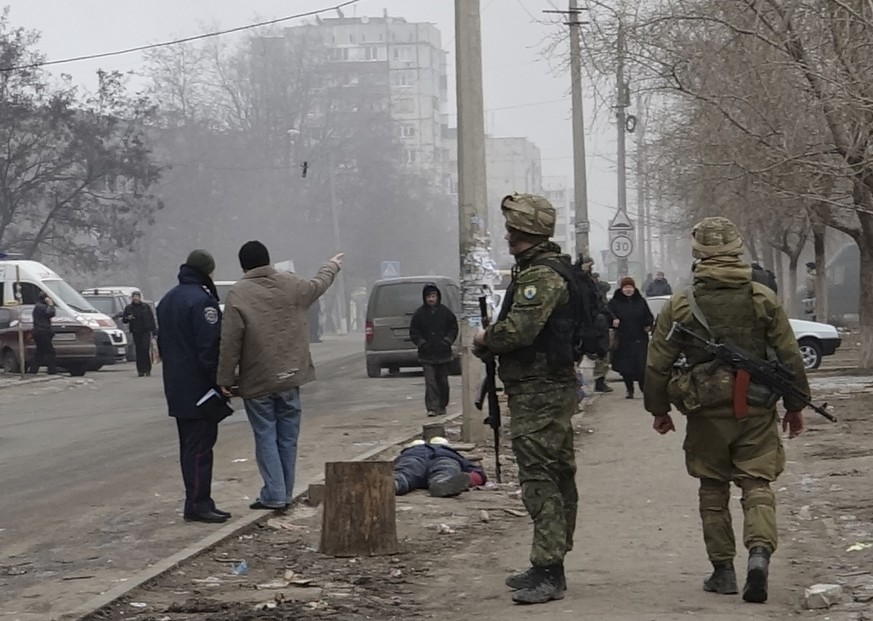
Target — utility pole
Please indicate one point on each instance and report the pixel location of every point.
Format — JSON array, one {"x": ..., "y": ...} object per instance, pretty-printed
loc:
[
  {"x": 621, "y": 116},
  {"x": 580, "y": 177},
  {"x": 642, "y": 185},
  {"x": 472, "y": 199},
  {"x": 334, "y": 215}
]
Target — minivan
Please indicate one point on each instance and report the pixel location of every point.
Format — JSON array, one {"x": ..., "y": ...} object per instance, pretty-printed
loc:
[
  {"x": 393, "y": 302},
  {"x": 35, "y": 277}
]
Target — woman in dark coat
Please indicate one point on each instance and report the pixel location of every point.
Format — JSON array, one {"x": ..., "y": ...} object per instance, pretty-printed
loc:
[{"x": 632, "y": 323}]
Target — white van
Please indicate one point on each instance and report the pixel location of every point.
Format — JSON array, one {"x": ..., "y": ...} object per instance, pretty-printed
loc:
[{"x": 36, "y": 277}]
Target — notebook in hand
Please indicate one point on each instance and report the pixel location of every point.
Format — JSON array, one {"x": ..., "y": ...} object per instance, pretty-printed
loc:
[{"x": 214, "y": 406}]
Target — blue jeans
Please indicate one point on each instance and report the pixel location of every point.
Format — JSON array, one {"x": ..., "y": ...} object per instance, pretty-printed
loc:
[{"x": 275, "y": 421}]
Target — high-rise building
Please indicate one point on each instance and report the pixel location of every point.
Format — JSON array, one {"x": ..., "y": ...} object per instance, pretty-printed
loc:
[
  {"x": 401, "y": 62},
  {"x": 557, "y": 189},
  {"x": 511, "y": 165}
]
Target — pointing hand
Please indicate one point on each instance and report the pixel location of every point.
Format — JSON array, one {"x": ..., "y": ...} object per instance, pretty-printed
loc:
[{"x": 338, "y": 259}]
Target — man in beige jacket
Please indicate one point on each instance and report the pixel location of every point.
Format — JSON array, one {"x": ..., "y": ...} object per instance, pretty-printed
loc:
[{"x": 265, "y": 335}]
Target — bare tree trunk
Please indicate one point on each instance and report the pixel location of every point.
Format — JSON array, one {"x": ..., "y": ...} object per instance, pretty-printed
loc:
[
  {"x": 821, "y": 283},
  {"x": 790, "y": 295}
]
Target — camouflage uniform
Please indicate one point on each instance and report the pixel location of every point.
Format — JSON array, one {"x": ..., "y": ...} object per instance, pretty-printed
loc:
[
  {"x": 542, "y": 397},
  {"x": 721, "y": 448}
]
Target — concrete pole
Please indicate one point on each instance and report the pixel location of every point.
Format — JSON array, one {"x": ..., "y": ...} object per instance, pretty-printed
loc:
[
  {"x": 472, "y": 199},
  {"x": 580, "y": 177},
  {"x": 621, "y": 118},
  {"x": 641, "y": 185},
  {"x": 334, "y": 215}
]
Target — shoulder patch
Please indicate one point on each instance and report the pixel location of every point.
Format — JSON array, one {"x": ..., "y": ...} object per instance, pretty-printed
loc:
[
  {"x": 210, "y": 313},
  {"x": 529, "y": 292}
]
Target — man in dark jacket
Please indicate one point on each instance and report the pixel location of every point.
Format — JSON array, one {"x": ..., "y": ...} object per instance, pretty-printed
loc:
[
  {"x": 435, "y": 467},
  {"x": 434, "y": 329},
  {"x": 603, "y": 319},
  {"x": 188, "y": 342},
  {"x": 142, "y": 325},
  {"x": 43, "y": 312},
  {"x": 659, "y": 286}
]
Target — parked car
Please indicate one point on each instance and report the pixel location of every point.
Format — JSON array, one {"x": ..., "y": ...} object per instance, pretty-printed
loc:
[
  {"x": 815, "y": 339},
  {"x": 392, "y": 304},
  {"x": 112, "y": 302},
  {"x": 222, "y": 287},
  {"x": 74, "y": 342}
]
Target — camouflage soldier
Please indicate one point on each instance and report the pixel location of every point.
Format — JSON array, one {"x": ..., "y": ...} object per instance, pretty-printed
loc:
[
  {"x": 732, "y": 430},
  {"x": 534, "y": 350}
]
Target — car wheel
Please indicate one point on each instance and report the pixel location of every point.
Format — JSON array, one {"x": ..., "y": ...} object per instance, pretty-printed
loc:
[
  {"x": 10, "y": 361},
  {"x": 810, "y": 350},
  {"x": 77, "y": 370},
  {"x": 373, "y": 369}
]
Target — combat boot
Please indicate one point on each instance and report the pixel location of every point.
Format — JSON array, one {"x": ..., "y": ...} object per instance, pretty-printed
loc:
[
  {"x": 527, "y": 579},
  {"x": 547, "y": 584},
  {"x": 755, "y": 590},
  {"x": 600, "y": 385},
  {"x": 723, "y": 579}
]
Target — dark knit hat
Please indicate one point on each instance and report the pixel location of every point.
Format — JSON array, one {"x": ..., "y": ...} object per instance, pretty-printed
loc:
[
  {"x": 627, "y": 280},
  {"x": 202, "y": 261},
  {"x": 253, "y": 254}
]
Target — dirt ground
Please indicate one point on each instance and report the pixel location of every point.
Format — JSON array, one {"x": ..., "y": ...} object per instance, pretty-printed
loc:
[{"x": 639, "y": 553}]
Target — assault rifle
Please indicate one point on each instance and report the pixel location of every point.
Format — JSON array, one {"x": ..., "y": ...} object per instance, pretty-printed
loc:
[
  {"x": 770, "y": 373},
  {"x": 488, "y": 390}
]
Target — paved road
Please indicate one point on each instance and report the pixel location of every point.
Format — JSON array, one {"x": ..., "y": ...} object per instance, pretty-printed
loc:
[{"x": 89, "y": 477}]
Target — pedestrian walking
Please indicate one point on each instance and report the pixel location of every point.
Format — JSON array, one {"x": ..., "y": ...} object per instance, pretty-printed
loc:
[
  {"x": 532, "y": 339},
  {"x": 43, "y": 311},
  {"x": 265, "y": 335},
  {"x": 188, "y": 342},
  {"x": 139, "y": 318},
  {"x": 433, "y": 330},
  {"x": 632, "y": 322},
  {"x": 659, "y": 286},
  {"x": 732, "y": 430}
]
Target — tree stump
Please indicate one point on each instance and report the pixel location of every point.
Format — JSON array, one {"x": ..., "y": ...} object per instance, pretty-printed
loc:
[
  {"x": 359, "y": 509},
  {"x": 432, "y": 431}
]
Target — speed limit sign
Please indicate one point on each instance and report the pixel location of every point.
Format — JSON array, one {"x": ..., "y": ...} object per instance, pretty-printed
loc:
[{"x": 622, "y": 246}]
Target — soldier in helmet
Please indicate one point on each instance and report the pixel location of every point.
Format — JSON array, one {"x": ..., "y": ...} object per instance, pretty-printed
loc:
[
  {"x": 732, "y": 430},
  {"x": 532, "y": 340}
]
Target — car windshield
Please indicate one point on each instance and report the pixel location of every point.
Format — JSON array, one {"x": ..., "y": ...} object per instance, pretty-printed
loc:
[
  {"x": 105, "y": 305},
  {"x": 69, "y": 296}
]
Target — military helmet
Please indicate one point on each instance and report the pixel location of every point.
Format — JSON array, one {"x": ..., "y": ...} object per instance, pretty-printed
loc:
[
  {"x": 716, "y": 236},
  {"x": 529, "y": 213}
]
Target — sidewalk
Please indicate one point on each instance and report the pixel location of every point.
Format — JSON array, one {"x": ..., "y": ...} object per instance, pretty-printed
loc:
[{"x": 639, "y": 551}]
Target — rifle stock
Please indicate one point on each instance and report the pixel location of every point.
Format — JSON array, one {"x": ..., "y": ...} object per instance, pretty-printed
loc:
[
  {"x": 773, "y": 374},
  {"x": 488, "y": 389}
]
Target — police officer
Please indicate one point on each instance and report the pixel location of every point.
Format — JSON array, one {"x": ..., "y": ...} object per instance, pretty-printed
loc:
[
  {"x": 188, "y": 341},
  {"x": 732, "y": 430},
  {"x": 530, "y": 340}
]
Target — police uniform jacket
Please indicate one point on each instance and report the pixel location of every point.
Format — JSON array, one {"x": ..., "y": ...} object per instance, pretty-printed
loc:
[{"x": 188, "y": 341}]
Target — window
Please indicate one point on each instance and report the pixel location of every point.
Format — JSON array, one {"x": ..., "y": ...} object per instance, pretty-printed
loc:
[
  {"x": 405, "y": 105},
  {"x": 5, "y": 318},
  {"x": 402, "y": 78},
  {"x": 410, "y": 156},
  {"x": 407, "y": 131},
  {"x": 29, "y": 293}
]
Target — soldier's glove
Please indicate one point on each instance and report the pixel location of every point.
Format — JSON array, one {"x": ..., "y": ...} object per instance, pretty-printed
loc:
[
  {"x": 483, "y": 353},
  {"x": 792, "y": 422},
  {"x": 663, "y": 424}
]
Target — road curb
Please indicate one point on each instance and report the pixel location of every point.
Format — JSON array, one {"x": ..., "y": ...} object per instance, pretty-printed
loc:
[
  {"x": 104, "y": 599},
  {"x": 32, "y": 380}
]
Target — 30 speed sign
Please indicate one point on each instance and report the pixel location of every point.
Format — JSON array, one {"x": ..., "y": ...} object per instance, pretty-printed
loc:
[{"x": 622, "y": 246}]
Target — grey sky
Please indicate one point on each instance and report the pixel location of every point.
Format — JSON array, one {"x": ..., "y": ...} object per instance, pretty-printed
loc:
[{"x": 515, "y": 74}]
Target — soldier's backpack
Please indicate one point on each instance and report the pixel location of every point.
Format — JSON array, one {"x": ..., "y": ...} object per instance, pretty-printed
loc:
[{"x": 582, "y": 313}]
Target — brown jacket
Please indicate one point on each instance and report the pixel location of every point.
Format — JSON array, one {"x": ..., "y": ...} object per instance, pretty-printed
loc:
[{"x": 264, "y": 330}]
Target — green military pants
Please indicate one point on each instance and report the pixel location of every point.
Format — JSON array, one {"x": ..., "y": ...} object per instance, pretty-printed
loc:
[
  {"x": 601, "y": 366},
  {"x": 542, "y": 440},
  {"x": 749, "y": 453}
]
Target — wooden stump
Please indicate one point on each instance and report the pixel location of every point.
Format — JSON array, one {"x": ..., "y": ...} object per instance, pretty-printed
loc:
[
  {"x": 433, "y": 430},
  {"x": 359, "y": 509},
  {"x": 315, "y": 494}
]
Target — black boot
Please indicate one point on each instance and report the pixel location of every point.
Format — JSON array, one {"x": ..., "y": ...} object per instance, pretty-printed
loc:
[
  {"x": 600, "y": 385},
  {"x": 630, "y": 394},
  {"x": 527, "y": 579},
  {"x": 755, "y": 590},
  {"x": 723, "y": 579},
  {"x": 546, "y": 584}
]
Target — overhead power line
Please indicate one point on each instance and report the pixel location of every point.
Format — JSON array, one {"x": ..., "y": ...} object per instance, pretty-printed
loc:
[{"x": 151, "y": 46}]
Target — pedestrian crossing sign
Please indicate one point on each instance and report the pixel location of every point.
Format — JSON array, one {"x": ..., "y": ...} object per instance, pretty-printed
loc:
[{"x": 390, "y": 269}]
